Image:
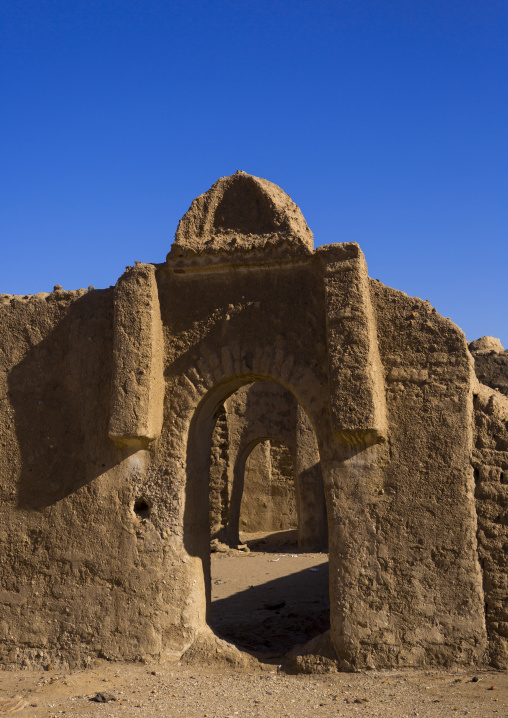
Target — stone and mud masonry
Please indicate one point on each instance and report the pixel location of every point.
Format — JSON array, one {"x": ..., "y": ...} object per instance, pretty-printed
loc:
[{"x": 253, "y": 454}]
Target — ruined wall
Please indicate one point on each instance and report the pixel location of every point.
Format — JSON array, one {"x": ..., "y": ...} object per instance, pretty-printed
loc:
[
  {"x": 285, "y": 515},
  {"x": 490, "y": 461},
  {"x": 106, "y": 540},
  {"x": 491, "y": 363},
  {"x": 425, "y": 519},
  {"x": 219, "y": 471},
  {"x": 267, "y": 494},
  {"x": 67, "y": 530},
  {"x": 265, "y": 410},
  {"x": 256, "y": 505}
]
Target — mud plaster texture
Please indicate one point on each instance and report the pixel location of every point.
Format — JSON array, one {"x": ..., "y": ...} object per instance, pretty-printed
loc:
[
  {"x": 109, "y": 402},
  {"x": 490, "y": 461}
]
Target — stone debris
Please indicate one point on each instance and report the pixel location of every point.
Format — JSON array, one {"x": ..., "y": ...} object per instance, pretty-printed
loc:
[
  {"x": 274, "y": 606},
  {"x": 103, "y": 698}
]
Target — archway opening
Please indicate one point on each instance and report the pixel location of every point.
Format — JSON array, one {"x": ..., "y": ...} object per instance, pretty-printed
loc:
[{"x": 267, "y": 592}]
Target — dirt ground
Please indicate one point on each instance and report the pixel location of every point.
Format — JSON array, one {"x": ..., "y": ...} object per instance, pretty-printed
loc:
[
  {"x": 272, "y": 598},
  {"x": 265, "y": 601}
]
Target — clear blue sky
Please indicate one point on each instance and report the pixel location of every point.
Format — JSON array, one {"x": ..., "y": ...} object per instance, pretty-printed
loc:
[{"x": 386, "y": 121}]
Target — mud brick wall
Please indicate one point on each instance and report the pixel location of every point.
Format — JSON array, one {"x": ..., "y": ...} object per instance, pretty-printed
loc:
[{"x": 490, "y": 462}]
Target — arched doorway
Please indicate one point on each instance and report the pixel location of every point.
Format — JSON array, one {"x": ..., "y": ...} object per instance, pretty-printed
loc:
[{"x": 276, "y": 596}]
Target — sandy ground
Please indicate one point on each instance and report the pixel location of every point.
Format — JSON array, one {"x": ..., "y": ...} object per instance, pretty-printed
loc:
[
  {"x": 272, "y": 598},
  {"x": 265, "y": 602},
  {"x": 202, "y": 692}
]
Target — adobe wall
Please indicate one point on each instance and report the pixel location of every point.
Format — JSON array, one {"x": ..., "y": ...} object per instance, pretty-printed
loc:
[
  {"x": 219, "y": 482},
  {"x": 64, "y": 506},
  {"x": 490, "y": 461},
  {"x": 252, "y": 414},
  {"x": 263, "y": 410},
  {"x": 109, "y": 405},
  {"x": 429, "y": 484}
]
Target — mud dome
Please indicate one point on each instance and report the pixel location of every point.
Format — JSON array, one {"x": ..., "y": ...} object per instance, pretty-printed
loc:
[{"x": 128, "y": 415}]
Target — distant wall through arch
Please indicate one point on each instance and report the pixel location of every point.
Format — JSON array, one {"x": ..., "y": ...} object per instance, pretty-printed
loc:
[
  {"x": 269, "y": 489},
  {"x": 263, "y": 412}
]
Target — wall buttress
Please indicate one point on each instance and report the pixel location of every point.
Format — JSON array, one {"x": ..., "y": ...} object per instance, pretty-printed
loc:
[
  {"x": 358, "y": 403},
  {"x": 138, "y": 381}
]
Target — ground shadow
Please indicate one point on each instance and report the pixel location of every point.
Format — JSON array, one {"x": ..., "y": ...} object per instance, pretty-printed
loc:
[
  {"x": 275, "y": 542},
  {"x": 272, "y": 617}
]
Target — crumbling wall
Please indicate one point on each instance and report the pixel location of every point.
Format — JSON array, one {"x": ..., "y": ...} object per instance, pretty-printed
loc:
[
  {"x": 219, "y": 483},
  {"x": 268, "y": 500},
  {"x": 283, "y": 487},
  {"x": 64, "y": 547},
  {"x": 261, "y": 410},
  {"x": 425, "y": 515},
  {"x": 80, "y": 556},
  {"x": 490, "y": 462},
  {"x": 256, "y": 505},
  {"x": 266, "y": 410},
  {"x": 105, "y": 543},
  {"x": 491, "y": 363}
]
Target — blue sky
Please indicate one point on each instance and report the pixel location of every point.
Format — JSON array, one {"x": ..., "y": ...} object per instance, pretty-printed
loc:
[{"x": 385, "y": 121}]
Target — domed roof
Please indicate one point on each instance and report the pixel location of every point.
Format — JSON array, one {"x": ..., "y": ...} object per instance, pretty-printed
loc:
[{"x": 241, "y": 215}]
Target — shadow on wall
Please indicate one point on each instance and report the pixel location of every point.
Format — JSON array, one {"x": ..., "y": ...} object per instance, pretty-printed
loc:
[{"x": 60, "y": 392}]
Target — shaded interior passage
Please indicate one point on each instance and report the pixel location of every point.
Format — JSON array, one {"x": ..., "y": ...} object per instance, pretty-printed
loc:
[
  {"x": 270, "y": 599},
  {"x": 269, "y": 586},
  {"x": 264, "y": 468}
]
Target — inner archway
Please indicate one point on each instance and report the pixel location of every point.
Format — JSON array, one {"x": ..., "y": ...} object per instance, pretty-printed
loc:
[
  {"x": 261, "y": 430},
  {"x": 269, "y": 501}
]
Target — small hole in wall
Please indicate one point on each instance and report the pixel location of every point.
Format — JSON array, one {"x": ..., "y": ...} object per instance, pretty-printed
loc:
[
  {"x": 476, "y": 476},
  {"x": 503, "y": 478},
  {"x": 142, "y": 508}
]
